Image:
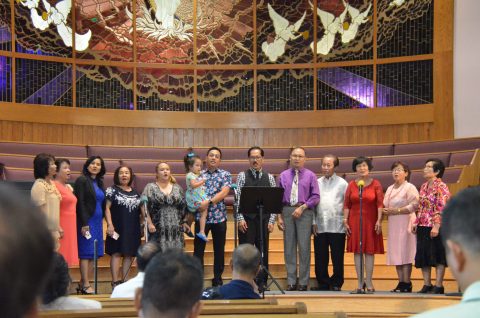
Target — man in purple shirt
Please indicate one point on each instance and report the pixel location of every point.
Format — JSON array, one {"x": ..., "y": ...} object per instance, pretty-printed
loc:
[{"x": 299, "y": 200}]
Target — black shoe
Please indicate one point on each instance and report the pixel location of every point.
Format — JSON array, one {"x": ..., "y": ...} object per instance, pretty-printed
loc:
[
  {"x": 407, "y": 288},
  {"x": 291, "y": 288},
  {"x": 302, "y": 288},
  {"x": 438, "y": 290},
  {"x": 217, "y": 282},
  {"x": 320, "y": 288},
  {"x": 116, "y": 283},
  {"x": 336, "y": 288},
  {"x": 399, "y": 287},
  {"x": 84, "y": 290},
  {"x": 425, "y": 289}
]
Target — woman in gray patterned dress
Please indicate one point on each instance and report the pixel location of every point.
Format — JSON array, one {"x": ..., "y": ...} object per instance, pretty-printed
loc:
[{"x": 167, "y": 209}]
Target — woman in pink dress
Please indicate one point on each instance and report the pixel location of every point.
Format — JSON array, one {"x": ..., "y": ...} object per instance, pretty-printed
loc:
[
  {"x": 401, "y": 202},
  {"x": 68, "y": 216}
]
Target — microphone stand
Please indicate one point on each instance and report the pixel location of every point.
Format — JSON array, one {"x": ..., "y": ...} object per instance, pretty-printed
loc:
[
  {"x": 235, "y": 214},
  {"x": 95, "y": 266},
  {"x": 360, "y": 194}
]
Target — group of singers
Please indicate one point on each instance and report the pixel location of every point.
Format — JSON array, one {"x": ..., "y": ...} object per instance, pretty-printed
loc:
[{"x": 327, "y": 207}]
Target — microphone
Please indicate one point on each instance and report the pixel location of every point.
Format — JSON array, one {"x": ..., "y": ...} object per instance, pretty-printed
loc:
[
  {"x": 360, "y": 185},
  {"x": 234, "y": 187}
]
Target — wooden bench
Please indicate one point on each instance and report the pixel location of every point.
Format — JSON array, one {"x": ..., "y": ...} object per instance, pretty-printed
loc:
[
  {"x": 221, "y": 309},
  {"x": 125, "y": 302}
]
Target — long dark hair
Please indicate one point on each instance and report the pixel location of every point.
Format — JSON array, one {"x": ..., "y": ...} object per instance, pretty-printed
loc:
[{"x": 100, "y": 175}]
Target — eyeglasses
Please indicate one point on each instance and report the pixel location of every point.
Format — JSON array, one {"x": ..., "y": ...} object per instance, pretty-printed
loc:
[
  {"x": 255, "y": 158},
  {"x": 398, "y": 170}
]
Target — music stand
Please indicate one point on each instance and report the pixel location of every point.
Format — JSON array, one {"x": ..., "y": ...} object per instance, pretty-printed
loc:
[{"x": 260, "y": 200}]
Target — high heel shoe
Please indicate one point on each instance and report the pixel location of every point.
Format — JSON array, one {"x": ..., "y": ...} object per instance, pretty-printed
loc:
[
  {"x": 425, "y": 289},
  {"x": 399, "y": 288},
  {"x": 407, "y": 288},
  {"x": 359, "y": 290},
  {"x": 368, "y": 290},
  {"x": 84, "y": 290}
]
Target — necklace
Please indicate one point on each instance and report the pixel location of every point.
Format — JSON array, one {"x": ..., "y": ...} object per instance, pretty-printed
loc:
[{"x": 51, "y": 188}]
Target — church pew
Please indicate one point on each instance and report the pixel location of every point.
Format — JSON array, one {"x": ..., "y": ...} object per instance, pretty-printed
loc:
[
  {"x": 437, "y": 146},
  {"x": 58, "y": 150},
  {"x": 297, "y": 308},
  {"x": 460, "y": 158},
  {"x": 350, "y": 151},
  {"x": 124, "y": 302}
]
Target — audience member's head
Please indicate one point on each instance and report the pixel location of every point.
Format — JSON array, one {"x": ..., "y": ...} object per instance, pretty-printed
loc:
[
  {"x": 172, "y": 286},
  {"x": 26, "y": 253},
  {"x": 58, "y": 281},
  {"x": 461, "y": 234},
  {"x": 145, "y": 253},
  {"x": 246, "y": 261}
]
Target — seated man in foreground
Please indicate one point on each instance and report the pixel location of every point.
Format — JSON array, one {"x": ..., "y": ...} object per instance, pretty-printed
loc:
[
  {"x": 144, "y": 254},
  {"x": 245, "y": 267},
  {"x": 172, "y": 286},
  {"x": 461, "y": 234}
]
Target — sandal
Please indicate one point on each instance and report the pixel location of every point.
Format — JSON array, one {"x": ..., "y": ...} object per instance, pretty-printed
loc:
[
  {"x": 118, "y": 282},
  {"x": 84, "y": 290},
  {"x": 357, "y": 291},
  {"x": 370, "y": 291}
]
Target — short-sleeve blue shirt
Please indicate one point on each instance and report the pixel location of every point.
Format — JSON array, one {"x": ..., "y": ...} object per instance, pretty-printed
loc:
[{"x": 215, "y": 181}]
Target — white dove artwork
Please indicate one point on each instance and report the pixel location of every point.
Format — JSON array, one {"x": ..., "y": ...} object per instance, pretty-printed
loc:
[
  {"x": 333, "y": 25},
  {"x": 284, "y": 32},
  {"x": 57, "y": 15},
  {"x": 165, "y": 11}
]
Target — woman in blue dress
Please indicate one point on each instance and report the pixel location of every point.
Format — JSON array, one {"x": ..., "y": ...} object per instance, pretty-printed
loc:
[{"x": 90, "y": 211}]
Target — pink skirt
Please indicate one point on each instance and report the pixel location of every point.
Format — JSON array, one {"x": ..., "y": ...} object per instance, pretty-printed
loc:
[{"x": 401, "y": 243}]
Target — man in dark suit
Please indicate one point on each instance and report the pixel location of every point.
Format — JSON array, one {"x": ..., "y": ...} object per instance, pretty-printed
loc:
[{"x": 249, "y": 223}]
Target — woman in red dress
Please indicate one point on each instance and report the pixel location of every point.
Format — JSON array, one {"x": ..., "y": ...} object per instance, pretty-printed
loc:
[
  {"x": 372, "y": 206},
  {"x": 68, "y": 215}
]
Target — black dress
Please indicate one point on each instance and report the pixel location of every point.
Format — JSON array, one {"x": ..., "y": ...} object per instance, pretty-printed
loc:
[{"x": 125, "y": 212}]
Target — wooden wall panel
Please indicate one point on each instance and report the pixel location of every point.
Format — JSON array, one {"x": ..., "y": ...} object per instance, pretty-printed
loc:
[{"x": 224, "y": 137}]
